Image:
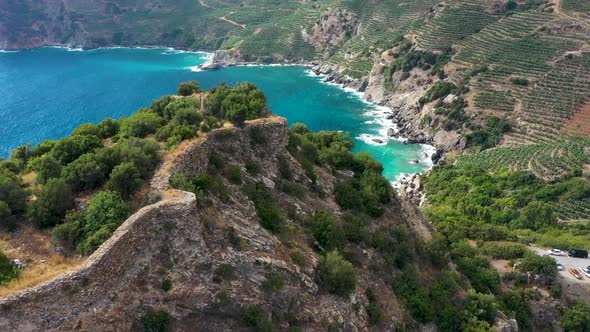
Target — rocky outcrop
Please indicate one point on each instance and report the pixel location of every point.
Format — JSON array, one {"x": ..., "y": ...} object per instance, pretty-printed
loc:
[
  {"x": 214, "y": 256},
  {"x": 332, "y": 29}
]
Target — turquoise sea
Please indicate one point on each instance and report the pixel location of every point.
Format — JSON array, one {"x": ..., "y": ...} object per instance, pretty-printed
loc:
[{"x": 47, "y": 92}]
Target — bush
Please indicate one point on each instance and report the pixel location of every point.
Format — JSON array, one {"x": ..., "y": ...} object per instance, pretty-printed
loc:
[
  {"x": 298, "y": 258},
  {"x": 336, "y": 274},
  {"x": 54, "y": 199},
  {"x": 544, "y": 265},
  {"x": 7, "y": 219},
  {"x": 70, "y": 148},
  {"x": 105, "y": 212},
  {"x": 156, "y": 321},
  {"x": 252, "y": 167},
  {"x": 234, "y": 174},
  {"x": 166, "y": 285},
  {"x": 439, "y": 90},
  {"x": 125, "y": 179},
  {"x": 86, "y": 129},
  {"x": 326, "y": 231},
  {"x": 70, "y": 232},
  {"x": 108, "y": 128},
  {"x": 7, "y": 270},
  {"x": 294, "y": 189},
  {"x": 374, "y": 310},
  {"x": 269, "y": 214},
  {"x": 273, "y": 282},
  {"x": 188, "y": 88},
  {"x": 48, "y": 168},
  {"x": 140, "y": 124},
  {"x": 504, "y": 250},
  {"x": 577, "y": 318},
  {"x": 84, "y": 173},
  {"x": 13, "y": 194}
]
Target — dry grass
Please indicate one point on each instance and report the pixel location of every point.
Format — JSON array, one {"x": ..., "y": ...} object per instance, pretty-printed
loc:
[
  {"x": 34, "y": 247},
  {"x": 39, "y": 273}
]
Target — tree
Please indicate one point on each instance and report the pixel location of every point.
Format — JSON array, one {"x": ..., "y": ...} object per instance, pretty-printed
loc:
[
  {"x": 84, "y": 173},
  {"x": 86, "y": 129},
  {"x": 108, "y": 128},
  {"x": 141, "y": 124},
  {"x": 336, "y": 274},
  {"x": 70, "y": 148},
  {"x": 48, "y": 168},
  {"x": 577, "y": 318},
  {"x": 188, "y": 88},
  {"x": 54, "y": 199},
  {"x": 12, "y": 193},
  {"x": 125, "y": 178},
  {"x": 7, "y": 219},
  {"x": 534, "y": 263},
  {"x": 535, "y": 216},
  {"x": 105, "y": 212}
]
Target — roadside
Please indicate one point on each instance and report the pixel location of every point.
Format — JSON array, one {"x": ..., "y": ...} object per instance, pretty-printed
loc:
[{"x": 567, "y": 262}]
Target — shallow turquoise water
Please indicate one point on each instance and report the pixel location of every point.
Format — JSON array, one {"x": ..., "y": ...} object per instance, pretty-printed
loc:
[{"x": 45, "y": 93}]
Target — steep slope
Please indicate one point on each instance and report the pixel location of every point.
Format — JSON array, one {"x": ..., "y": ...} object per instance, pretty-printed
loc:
[{"x": 215, "y": 256}]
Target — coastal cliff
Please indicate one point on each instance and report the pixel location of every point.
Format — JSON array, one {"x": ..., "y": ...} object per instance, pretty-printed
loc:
[{"x": 216, "y": 257}]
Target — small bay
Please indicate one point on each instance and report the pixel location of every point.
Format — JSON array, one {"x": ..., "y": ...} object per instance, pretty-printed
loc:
[{"x": 47, "y": 92}]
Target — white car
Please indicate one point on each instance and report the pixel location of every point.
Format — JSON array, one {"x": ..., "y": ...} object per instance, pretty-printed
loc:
[
  {"x": 586, "y": 271},
  {"x": 560, "y": 267},
  {"x": 555, "y": 252}
]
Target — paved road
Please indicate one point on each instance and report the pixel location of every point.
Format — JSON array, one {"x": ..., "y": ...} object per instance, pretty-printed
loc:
[{"x": 568, "y": 262}]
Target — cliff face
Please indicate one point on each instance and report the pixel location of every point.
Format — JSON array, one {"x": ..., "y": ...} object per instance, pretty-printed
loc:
[{"x": 194, "y": 247}]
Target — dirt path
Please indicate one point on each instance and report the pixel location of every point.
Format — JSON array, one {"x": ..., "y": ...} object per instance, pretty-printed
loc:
[{"x": 224, "y": 18}]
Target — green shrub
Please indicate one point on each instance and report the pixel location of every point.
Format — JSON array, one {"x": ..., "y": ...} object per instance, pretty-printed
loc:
[
  {"x": 70, "y": 148},
  {"x": 125, "y": 179},
  {"x": 326, "y": 230},
  {"x": 273, "y": 282},
  {"x": 84, "y": 173},
  {"x": 7, "y": 270},
  {"x": 225, "y": 271},
  {"x": 298, "y": 258},
  {"x": 188, "y": 88},
  {"x": 166, "y": 285},
  {"x": 141, "y": 124},
  {"x": 12, "y": 193},
  {"x": 234, "y": 174},
  {"x": 294, "y": 189},
  {"x": 439, "y": 90},
  {"x": 108, "y": 128},
  {"x": 269, "y": 214},
  {"x": 504, "y": 250},
  {"x": 105, "y": 212},
  {"x": 86, "y": 129},
  {"x": 577, "y": 318},
  {"x": 156, "y": 321},
  {"x": 544, "y": 265},
  {"x": 70, "y": 232},
  {"x": 217, "y": 161},
  {"x": 355, "y": 227},
  {"x": 252, "y": 167},
  {"x": 48, "y": 168},
  {"x": 336, "y": 274},
  {"x": 54, "y": 199},
  {"x": 374, "y": 310}
]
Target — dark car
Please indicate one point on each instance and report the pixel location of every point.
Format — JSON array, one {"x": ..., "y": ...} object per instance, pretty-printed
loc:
[{"x": 578, "y": 253}]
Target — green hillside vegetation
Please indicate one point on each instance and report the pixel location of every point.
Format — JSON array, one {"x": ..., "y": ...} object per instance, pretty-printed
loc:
[{"x": 109, "y": 162}]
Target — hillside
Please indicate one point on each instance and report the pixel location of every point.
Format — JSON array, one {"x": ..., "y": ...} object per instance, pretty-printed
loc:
[
  {"x": 244, "y": 248},
  {"x": 205, "y": 210}
]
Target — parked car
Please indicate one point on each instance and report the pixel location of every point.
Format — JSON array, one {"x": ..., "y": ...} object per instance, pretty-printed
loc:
[
  {"x": 575, "y": 273},
  {"x": 578, "y": 253},
  {"x": 555, "y": 252},
  {"x": 560, "y": 267},
  {"x": 586, "y": 270}
]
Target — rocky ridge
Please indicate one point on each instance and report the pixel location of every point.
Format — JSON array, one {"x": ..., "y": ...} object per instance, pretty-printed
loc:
[{"x": 178, "y": 240}]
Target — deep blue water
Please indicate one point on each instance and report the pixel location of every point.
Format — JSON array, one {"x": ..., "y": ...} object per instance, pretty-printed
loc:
[{"x": 47, "y": 92}]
